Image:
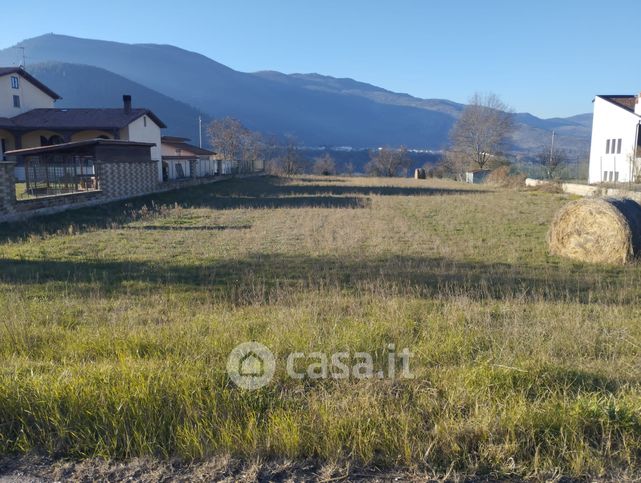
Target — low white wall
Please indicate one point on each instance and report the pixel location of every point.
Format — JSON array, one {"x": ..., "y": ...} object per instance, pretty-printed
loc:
[
  {"x": 588, "y": 190},
  {"x": 581, "y": 189}
]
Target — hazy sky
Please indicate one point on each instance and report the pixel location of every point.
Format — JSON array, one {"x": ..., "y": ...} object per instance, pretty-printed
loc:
[{"x": 545, "y": 57}]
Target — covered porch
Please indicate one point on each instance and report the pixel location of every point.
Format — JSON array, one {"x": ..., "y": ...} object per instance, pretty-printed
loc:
[{"x": 72, "y": 167}]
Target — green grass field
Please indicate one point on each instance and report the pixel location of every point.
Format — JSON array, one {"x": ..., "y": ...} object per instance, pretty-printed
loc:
[{"x": 118, "y": 320}]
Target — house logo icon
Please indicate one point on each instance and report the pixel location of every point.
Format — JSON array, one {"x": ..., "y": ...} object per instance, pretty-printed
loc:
[{"x": 251, "y": 365}]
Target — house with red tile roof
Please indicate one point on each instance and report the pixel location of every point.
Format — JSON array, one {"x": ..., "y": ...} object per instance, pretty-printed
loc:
[{"x": 29, "y": 118}]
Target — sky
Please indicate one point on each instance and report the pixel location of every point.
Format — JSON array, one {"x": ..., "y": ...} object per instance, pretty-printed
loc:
[{"x": 549, "y": 58}]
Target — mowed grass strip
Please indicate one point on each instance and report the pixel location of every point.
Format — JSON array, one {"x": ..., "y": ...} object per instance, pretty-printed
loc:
[{"x": 117, "y": 324}]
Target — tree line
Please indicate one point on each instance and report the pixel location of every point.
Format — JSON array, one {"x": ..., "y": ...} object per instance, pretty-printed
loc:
[
  {"x": 249, "y": 149},
  {"x": 478, "y": 140}
]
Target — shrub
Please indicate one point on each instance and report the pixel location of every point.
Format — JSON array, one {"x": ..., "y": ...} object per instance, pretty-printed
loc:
[{"x": 503, "y": 176}]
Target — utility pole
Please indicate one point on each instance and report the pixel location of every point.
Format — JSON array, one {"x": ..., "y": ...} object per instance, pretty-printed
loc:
[
  {"x": 200, "y": 131},
  {"x": 551, "y": 154}
]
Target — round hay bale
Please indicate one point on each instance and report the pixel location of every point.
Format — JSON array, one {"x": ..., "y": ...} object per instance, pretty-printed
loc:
[
  {"x": 597, "y": 230},
  {"x": 419, "y": 173}
]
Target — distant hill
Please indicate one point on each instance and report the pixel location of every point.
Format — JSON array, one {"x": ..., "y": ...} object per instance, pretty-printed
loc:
[
  {"x": 87, "y": 86},
  {"x": 317, "y": 109},
  {"x": 531, "y": 134}
]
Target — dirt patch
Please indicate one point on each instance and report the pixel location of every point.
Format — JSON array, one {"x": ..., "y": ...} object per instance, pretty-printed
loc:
[{"x": 41, "y": 469}]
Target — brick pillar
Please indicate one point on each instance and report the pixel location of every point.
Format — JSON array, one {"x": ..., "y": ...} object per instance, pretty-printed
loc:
[{"x": 7, "y": 187}]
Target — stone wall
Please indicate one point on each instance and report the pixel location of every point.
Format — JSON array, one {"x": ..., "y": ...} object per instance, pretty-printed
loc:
[
  {"x": 7, "y": 188},
  {"x": 122, "y": 180},
  {"x": 117, "y": 181}
]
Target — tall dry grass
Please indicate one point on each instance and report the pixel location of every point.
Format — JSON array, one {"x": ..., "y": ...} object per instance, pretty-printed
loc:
[{"x": 116, "y": 331}]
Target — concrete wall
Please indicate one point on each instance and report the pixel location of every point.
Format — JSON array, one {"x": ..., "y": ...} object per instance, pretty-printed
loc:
[
  {"x": 206, "y": 167},
  {"x": 612, "y": 122},
  {"x": 30, "y": 97},
  {"x": 172, "y": 170},
  {"x": 587, "y": 190},
  {"x": 52, "y": 204},
  {"x": 199, "y": 167}
]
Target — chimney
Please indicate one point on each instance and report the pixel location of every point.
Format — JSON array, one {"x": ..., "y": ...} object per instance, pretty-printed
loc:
[{"x": 126, "y": 103}]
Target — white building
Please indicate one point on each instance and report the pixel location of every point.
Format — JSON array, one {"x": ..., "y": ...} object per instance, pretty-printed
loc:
[
  {"x": 28, "y": 119},
  {"x": 179, "y": 157},
  {"x": 614, "y": 152}
]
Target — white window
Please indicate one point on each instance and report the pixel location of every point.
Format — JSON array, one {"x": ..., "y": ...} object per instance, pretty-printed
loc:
[
  {"x": 619, "y": 146},
  {"x": 16, "y": 101},
  {"x": 15, "y": 82},
  {"x": 607, "y": 147},
  {"x": 605, "y": 176},
  {"x": 144, "y": 120},
  {"x": 616, "y": 176}
]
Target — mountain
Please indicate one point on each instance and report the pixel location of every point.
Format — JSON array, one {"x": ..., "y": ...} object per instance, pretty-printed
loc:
[
  {"x": 531, "y": 133},
  {"x": 318, "y": 110},
  {"x": 352, "y": 87},
  {"x": 87, "y": 86}
]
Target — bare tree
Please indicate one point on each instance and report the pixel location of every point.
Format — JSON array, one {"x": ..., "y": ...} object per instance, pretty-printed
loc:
[
  {"x": 293, "y": 161},
  {"x": 454, "y": 165},
  {"x": 254, "y": 150},
  {"x": 325, "y": 165},
  {"x": 483, "y": 128},
  {"x": 237, "y": 144},
  {"x": 287, "y": 159},
  {"x": 551, "y": 160},
  {"x": 388, "y": 162},
  {"x": 226, "y": 136},
  {"x": 349, "y": 168}
]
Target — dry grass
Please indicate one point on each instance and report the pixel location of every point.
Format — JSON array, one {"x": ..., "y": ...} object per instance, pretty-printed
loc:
[
  {"x": 503, "y": 176},
  {"x": 118, "y": 322}
]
